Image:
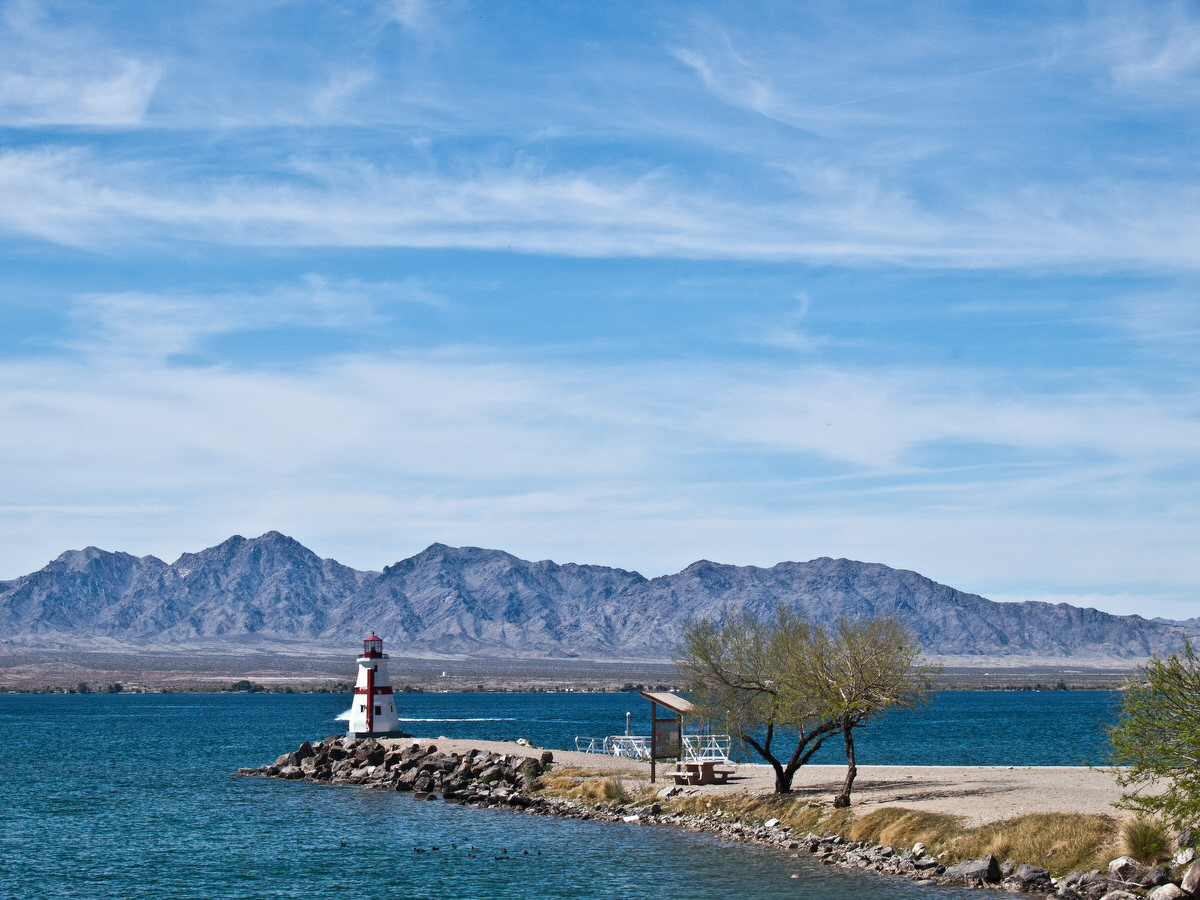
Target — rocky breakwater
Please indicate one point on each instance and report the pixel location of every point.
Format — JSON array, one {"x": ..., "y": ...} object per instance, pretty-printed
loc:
[{"x": 474, "y": 777}]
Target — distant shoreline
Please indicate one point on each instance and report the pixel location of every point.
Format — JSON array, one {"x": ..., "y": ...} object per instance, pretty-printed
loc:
[{"x": 31, "y": 669}]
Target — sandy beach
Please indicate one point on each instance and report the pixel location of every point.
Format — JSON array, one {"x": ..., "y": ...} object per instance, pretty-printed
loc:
[{"x": 978, "y": 794}]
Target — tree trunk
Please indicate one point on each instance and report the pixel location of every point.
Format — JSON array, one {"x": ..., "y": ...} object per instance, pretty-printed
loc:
[
  {"x": 843, "y": 799},
  {"x": 783, "y": 777}
]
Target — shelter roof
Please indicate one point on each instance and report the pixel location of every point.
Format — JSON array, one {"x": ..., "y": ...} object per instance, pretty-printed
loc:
[{"x": 676, "y": 704}]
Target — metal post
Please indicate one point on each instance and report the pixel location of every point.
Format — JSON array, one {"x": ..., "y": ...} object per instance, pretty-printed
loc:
[
  {"x": 628, "y": 725},
  {"x": 653, "y": 738}
]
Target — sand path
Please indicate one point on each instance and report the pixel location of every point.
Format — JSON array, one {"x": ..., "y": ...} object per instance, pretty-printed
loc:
[{"x": 979, "y": 794}]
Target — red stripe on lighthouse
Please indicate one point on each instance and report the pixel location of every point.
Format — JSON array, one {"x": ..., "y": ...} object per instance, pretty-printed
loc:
[
  {"x": 378, "y": 690},
  {"x": 370, "y": 700}
]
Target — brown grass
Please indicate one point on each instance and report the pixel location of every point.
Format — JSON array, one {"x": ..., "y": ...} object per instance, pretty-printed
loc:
[
  {"x": 901, "y": 828},
  {"x": 595, "y": 786},
  {"x": 801, "y": 816},
  {"x": 1060, "y": 842}
]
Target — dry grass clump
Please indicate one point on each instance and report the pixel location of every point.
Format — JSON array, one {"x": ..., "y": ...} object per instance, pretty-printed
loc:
[
  {"x": 610, "y": 790},
  {"x": 901, "y": 828},
  {"x": 1145, "y": 839},
  {"x": 568, "y": 781},
  {"x": 558, "y": 786},
  {"x": 594, "y": 786},
  {"x": 1060, "y": 842},
  {"x": 796, "y": 814}
]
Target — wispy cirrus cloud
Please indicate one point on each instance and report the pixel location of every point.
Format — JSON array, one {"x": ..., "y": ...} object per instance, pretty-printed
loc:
[
  {"x": 415, "y": 15},
  {"x": 823, "y": 213},
  {"x": 54, "y": 74},
  {"x": 465, "y": 446},
  {"x": 341, "y": 88},
  {"x": 158, "y": 325},
  {"x": 1152, "y": 49}
]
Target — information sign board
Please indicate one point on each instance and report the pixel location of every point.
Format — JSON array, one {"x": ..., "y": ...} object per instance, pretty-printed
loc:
[{"x": 666, "y": 738}]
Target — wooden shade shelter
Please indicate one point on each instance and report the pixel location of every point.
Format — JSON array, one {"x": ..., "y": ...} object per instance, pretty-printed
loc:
[{"x": 666, "y": 733}]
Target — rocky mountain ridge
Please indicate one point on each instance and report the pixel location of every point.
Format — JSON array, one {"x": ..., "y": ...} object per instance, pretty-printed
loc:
[{"x": 472, "y": 601}]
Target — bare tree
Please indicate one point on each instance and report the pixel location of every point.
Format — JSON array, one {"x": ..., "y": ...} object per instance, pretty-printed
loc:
[{"x": 757, "y": 678}]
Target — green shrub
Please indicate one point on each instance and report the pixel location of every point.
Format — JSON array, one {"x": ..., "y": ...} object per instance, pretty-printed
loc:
[{"x": 1144, "y": 839}]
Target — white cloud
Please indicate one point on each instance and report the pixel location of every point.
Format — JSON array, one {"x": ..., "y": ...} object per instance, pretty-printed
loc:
[
  {"x": 1153, "y": 49},
  {"x": 846, "y": 72},
  {"x": 415, "y": 15},
  {"x": 51, "y": 75},
  {"x": 646, "y": 465},
  {"x": 155, "y": 325},
  {"x": 72, "y": 197},
  {"x": 340, "y": 89}
]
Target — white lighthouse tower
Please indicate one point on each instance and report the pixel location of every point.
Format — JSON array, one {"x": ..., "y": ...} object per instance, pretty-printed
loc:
[{"x": 374, "y": 711}]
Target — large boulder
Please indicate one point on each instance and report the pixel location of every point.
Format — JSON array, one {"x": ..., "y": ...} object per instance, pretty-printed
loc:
[
  {"x": 1027, "y": 878},
  {"x": 1191, "y": 880},
  {"x": 973, "y": 872},
  {"x": 1126, "y": 870},
  {"x": 1093, "y": 885},
  {"x": 1159, "y": 875},
  {"x": 1166, "y": 892},
  {"x": 370, "y": 752}
]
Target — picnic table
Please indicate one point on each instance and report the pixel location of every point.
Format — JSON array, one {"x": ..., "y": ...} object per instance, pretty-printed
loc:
[{"x": 700, "y": 773}]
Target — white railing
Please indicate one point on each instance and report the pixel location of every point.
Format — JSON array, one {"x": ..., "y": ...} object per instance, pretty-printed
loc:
[
  {"x": 626, "y": 745},
  {"x": 696, "y": 747},
  {"x": 589, "y": 744},
  {"x": 706, "y": 747}
]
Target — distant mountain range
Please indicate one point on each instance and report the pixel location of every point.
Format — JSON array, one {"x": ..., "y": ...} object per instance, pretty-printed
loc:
[{"x": 470, "y": 601}]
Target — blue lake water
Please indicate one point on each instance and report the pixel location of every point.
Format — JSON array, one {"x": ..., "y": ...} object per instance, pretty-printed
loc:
[
  {"x": 959, "y": 728},
  {"x": 106, "y": 796}
]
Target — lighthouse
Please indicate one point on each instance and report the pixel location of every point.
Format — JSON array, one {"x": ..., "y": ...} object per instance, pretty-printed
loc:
[{"x": 374, "y": 711}]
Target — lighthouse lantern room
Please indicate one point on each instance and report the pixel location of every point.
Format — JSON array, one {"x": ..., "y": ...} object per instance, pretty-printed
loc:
[{"x": 374, "y": 711}]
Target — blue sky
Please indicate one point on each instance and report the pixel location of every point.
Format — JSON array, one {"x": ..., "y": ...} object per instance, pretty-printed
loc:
[{"x": 630, "y": 284}]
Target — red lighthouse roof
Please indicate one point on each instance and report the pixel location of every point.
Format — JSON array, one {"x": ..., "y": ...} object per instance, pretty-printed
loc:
[{"x": 373, "y": 646}]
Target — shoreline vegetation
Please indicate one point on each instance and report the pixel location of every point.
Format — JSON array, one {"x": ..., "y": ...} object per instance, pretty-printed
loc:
[
  {"x": 59, "y": 686},
  {"x": 954, "y": 830},
  {"x": 25, "y": 671}
]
